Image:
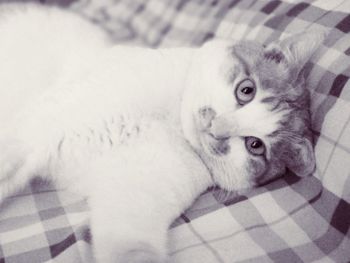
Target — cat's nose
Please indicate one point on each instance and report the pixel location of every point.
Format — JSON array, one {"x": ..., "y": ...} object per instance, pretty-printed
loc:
[
  {"x": 222, "y": 128},
  {"x": 206, "y": 116}
]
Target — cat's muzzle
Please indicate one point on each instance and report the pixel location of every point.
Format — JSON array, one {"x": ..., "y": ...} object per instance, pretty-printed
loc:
[
  {"x": 217, "y": 139},
  {"x": 219, "y": 146}
]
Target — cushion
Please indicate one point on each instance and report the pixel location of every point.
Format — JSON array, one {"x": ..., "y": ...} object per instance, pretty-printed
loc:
[{"x": 288, "y": 220}]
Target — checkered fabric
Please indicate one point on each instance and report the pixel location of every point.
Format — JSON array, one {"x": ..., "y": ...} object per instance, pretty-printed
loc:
[{"x": 289, "y": 220}]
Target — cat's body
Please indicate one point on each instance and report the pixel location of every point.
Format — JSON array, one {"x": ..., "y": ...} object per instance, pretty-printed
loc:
[
  {"x": 140, "y": 132},
  {"x": 105, "y": 128}
]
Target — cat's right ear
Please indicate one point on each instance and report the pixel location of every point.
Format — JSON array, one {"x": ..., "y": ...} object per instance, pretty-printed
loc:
[
  {"x": 294, "y": 51},
  {"x": 300, "y": 157}
]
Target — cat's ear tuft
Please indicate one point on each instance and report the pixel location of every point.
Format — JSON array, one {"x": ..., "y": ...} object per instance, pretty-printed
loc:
[
  {"x": 297, "y": 49},
  {"x": 300, "y": 158}
]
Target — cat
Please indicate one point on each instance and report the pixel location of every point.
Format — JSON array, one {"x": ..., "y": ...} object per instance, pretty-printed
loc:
[{"x": 142, "y": 132}]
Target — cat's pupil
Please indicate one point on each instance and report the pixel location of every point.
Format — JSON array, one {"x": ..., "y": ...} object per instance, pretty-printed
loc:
[
  {"x": 256, "y": 144},
  {"x": 247, "y": 90}
]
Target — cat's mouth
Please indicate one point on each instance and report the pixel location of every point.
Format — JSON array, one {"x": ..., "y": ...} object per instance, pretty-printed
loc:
[{"x": 213, "y": 146}]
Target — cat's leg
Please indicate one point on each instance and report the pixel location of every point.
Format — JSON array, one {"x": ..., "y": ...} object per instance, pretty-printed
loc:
[
  {"x": 119, "y": 236},
  {"x": 137, "y": 191},
  {"x": 125, "y": 224}
]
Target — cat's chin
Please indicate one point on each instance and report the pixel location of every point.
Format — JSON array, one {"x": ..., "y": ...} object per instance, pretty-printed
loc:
[{"x": 224, "y": 175}]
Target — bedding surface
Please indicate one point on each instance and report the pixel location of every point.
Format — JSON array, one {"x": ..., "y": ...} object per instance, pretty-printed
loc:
[{"x": 288, "y": 220}]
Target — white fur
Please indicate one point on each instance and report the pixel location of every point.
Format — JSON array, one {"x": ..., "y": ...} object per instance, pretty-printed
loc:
[{"x": 104, "y": 121}]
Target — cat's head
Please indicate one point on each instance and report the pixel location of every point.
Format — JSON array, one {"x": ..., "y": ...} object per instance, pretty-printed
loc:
[{"x": 246, "y": 110}]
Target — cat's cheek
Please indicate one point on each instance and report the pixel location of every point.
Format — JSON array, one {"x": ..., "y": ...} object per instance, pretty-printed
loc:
[
  {"x": 233, "y": 172},
  {"x": 256, "y": 167}
]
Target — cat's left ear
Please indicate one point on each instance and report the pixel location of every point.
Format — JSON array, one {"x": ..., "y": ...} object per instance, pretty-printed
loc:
[
  {"x": 294, "y": 51},
  {"x": 300, "y": 158}
]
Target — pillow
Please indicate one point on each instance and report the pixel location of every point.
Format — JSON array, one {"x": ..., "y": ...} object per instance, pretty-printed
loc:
[{"x": 289, "y": 220}]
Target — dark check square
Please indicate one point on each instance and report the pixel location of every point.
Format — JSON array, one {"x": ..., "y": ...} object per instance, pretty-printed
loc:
[
  {"x": 297, "y": 9},
  {"x": 338, "y": 85},
  {"x": 270, "y": 7},
  {"x": 344, "y": 25}
]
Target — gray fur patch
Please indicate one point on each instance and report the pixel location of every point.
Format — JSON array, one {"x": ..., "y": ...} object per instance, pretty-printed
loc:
[{"x": 288, "y": 94}]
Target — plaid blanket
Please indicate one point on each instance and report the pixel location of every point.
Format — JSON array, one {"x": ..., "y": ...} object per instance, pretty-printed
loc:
[{"x": 289, "y": 220}]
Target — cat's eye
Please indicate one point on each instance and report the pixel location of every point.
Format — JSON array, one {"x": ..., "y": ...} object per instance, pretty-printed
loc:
[
  {"x": 245, "y": 91},
  {"x": 254, "y": 145}
]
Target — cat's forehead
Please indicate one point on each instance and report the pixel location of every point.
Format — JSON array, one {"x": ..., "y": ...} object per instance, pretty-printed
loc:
[
  {"x": 245, "y": 58},
  {"x": 253, "y": 60}
]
